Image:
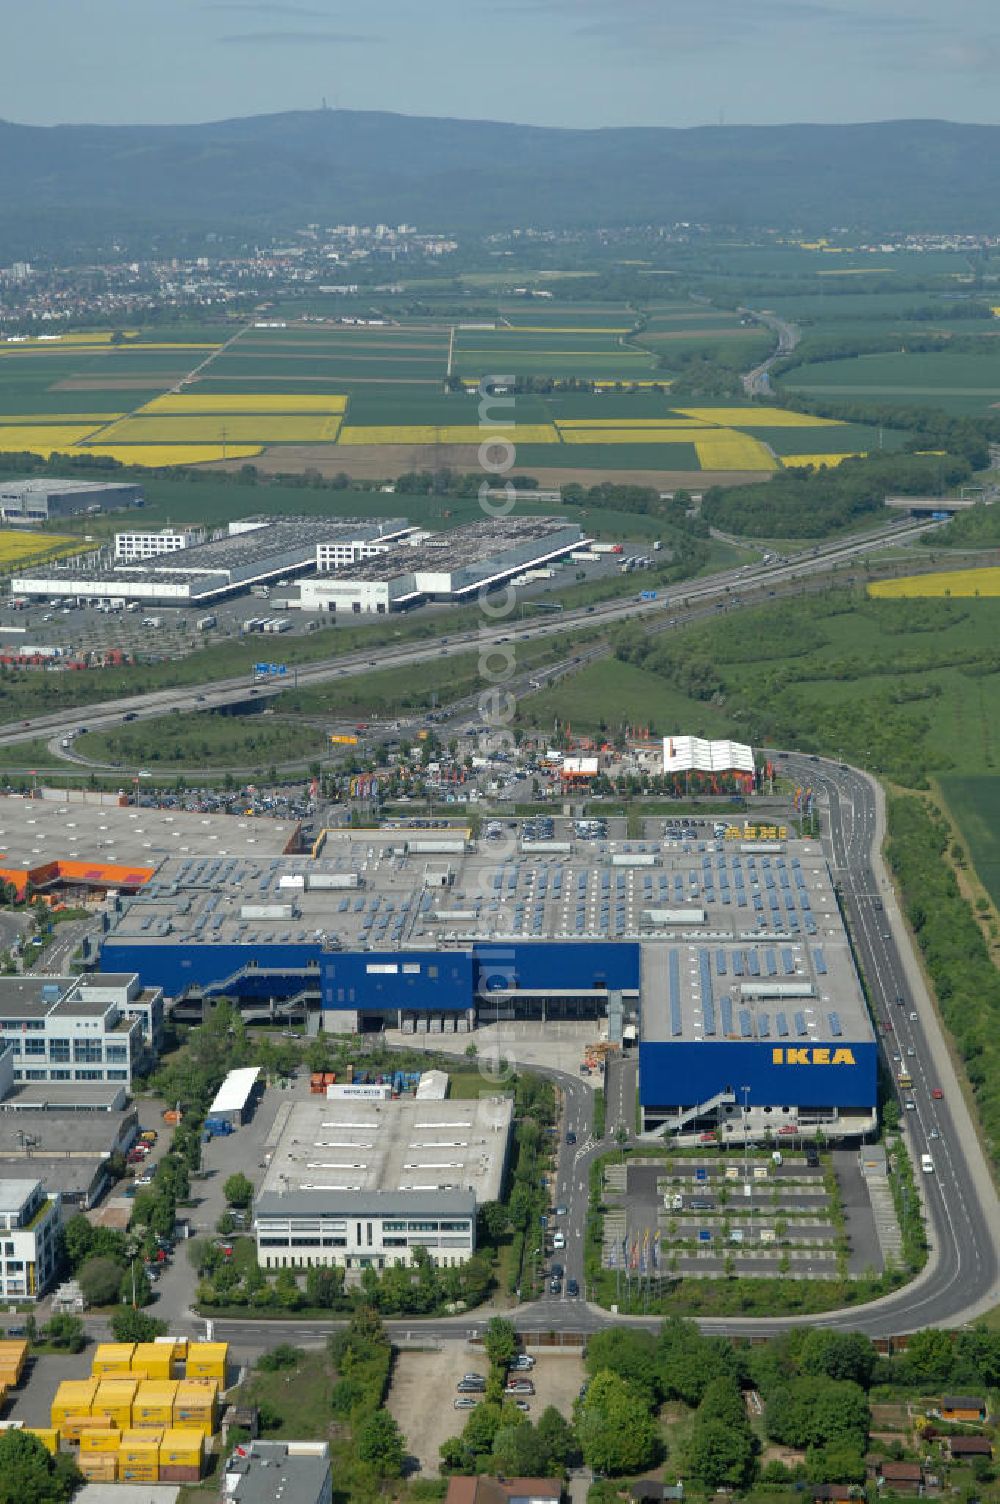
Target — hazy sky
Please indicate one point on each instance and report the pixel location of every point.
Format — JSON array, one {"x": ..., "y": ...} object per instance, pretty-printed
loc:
[{"x": 549, "y": 62}]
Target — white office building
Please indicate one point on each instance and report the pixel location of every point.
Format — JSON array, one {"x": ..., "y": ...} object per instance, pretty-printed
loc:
[
  {"x": 29, "y": 1223},
  {"x": 98, "y": 1028},
  {"x": 362, "y": 1182},
  {"x": 135, "y": 547}
]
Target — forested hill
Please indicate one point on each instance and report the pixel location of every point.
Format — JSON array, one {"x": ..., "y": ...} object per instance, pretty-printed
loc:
[{"x": 365, "y": 166}]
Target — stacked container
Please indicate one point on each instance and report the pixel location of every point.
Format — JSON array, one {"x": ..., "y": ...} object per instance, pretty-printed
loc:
[
  {"x": 153, "y": 1360},
  {"x": 13, "y": 1356},
  {"x": 112, "y": 1358},
  {"x": 114, "y": 1398},
  {"x": 181, "y": 1456},
  {"x": 98, "y": 1467},
  {"x": 107, "y": 1439},
  {"x": 74, "y": 1401},
  {"x": 47, "y": 1435},
  {"x": 154, "y": 1402},
  {"x": 196, "y": 1405},
  {"x": 207, "y": 1360},
  {"x": 139, "y": 1456}
]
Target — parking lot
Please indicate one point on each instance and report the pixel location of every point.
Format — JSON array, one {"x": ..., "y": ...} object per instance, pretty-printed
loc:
[
  {"x": 423, "y": 1393},
  {"x": 709, "y": 1214}
]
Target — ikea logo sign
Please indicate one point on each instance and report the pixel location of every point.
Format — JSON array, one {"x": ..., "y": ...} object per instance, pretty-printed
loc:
[{"x": 812, "y": 1056}]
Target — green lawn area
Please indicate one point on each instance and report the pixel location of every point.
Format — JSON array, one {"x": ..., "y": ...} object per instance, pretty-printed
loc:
[
  {"x": 205, "y": 739},
  {"x": 300, "y": 1395},
  {"x": 975, "y": 804},
  {"x": 923, "y": 378},
  {"x": 609, "y": 695}
]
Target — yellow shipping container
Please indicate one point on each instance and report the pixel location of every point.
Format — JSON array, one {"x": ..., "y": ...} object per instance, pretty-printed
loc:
[
  {"x": 98, "y": 1467},
  {"x": 114, "y": 1397},
  {"x": 179, "y": 1344},
  {"x": 47, "y": 1435},
  {"x": 140, "y": 1445},
  {"x": 112, "y": 1357},
  {"x": 153, "y": 1360},
  {"x": 138, "y": 1472},
  {"x": 73, "y": 1427},
  {"x": 207, "y": 1360},
  {"x": 154, "y": 1402},
  {"x": 196, "y": 1404},
  {"x": 182, "y": 1449},
  {"x": 13, "y": 1354},
  {"x": 73, "y": 1397},
  {"x": 104, "y": 1440}
]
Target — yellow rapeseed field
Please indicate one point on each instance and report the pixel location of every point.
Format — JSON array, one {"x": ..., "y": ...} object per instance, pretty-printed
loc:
[
  {"x": 635, "y": 435},
  {"x": 67, "y": 419},
  {"x": 954, "y": 582},
  {"x": 564, "y": 423},
  {"x": 242, "y": 402},
  {"x": 16, "y": 544},
  {"x": 732, "y": 451},
  {"x": 160, "y": 455},
  {"x": 427, "y": 433},
  {"x": 43, "y": 439},
  {"x": 796, "y": 461},
  {"x": 757, "y": 417},
  {"x": 194, "y": 428}
]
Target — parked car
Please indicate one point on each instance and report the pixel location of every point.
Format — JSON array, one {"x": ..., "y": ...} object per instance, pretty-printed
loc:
[
  {"x": 519, "y": 1386},
  {"x": 523, "y": 1405},
  {"x": 471, "y": 1386},
  {"x": 464, "y": 1403},
  {"x": 521, "y": 1363}
]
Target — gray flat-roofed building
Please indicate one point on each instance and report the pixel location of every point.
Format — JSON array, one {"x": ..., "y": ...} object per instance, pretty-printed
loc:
[
  {"x": 294, "y": 1472},
  {"x": 362, "y": 1182},
  {"x": 255, "y": 554},
  {"x": 68, "y": 1151},
  {"x": 447, "y": 566},
  {"x": 39, "y": 498}
]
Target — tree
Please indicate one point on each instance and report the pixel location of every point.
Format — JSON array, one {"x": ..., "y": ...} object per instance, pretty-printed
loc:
[
  {"x": 324, "y": 1287},
  {"x": 716, "y": 1454},
  {"x": 238, "y": 1190},
  {"x": 838, "y": 1355},
  {"x": 29, "y": 1472},
  {"x": 135, "y": 1287},
  {"x": 518, "y": 1450},
  {"x": 500, "y": 1340},
  {"x": 617, "y": 1433},
  {"x": 99, "y": 1280},
  {"x": 495, "y": 1220},
  {"x": 67, "y": 1333},
  {"x": 78, "y": 1238},
  {"x": 379, "y": 1442},
  {"x": 929, "y": 1357},
  {"x": 558, "y": 1438},
  {"x": 630, "y": 1354},
  {"x": 135, "y": 1326}
]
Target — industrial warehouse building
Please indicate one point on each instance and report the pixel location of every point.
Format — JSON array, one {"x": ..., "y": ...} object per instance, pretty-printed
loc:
[
  {"x": 443, "y": 567},
  {"x": 39, "y": 499},
  {"x": 256, "y": 551},
  {"x": 363, "y": 1180},
  {"x": 728, "y": 956}
]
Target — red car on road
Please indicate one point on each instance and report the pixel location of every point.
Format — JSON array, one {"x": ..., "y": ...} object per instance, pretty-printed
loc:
[{"x": 937, "y": 1093}]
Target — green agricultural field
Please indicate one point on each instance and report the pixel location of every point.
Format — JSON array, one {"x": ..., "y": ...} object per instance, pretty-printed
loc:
[
  {"x": 965, "y": 382},
  {"x": 908, "y": 688},
  {"x": 975, "y": 804},
  {"x": 846, "y": 438}
]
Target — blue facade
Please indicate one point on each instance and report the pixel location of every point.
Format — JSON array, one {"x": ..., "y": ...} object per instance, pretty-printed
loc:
[
  {"x": 251, "y": 971},
  {"x": 557, "y": 965},
  {"x": 691, "y": 1071},
  {"x": 438, "y": 981}
]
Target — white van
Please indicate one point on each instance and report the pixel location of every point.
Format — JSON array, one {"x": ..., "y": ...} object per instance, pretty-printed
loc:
[{"x": 927, "y": 1164}]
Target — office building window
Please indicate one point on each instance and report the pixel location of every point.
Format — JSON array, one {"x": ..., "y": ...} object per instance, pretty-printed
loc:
[
  {"x": 87, "y": 1049},
  {"x": 117, "y": 1052},
  {"x": 89, "y": 1075},
  {"x": 60, "y": 1075},
  {"x": 34, "y": 1046},
  {"x": 58, "y": 1049}
]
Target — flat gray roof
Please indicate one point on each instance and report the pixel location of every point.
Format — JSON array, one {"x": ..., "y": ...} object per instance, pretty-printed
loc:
[
  {"x": 34, "y": 832},
  {"x": 15, "y": 1192},
  {"x": 279, "y": 535},
  {"x": 289, "y": 1475},
  {"x": 51, "y": 1096},
  {"x": 66, "y": 1134},
  {"x": 470, "y": 543},
  {"x": 270, "y": 1204},
  {"x": 42, "y": 486},
  {"x": 379, "y": 896},
  {"x": 354, "y": 1145}
]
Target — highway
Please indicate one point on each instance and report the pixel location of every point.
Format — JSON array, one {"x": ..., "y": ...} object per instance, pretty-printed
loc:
[{"x": 732, "y": 589}]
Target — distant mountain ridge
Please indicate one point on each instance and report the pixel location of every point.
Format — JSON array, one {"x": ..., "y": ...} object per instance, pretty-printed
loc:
[{"x": 366, "y": 166}]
